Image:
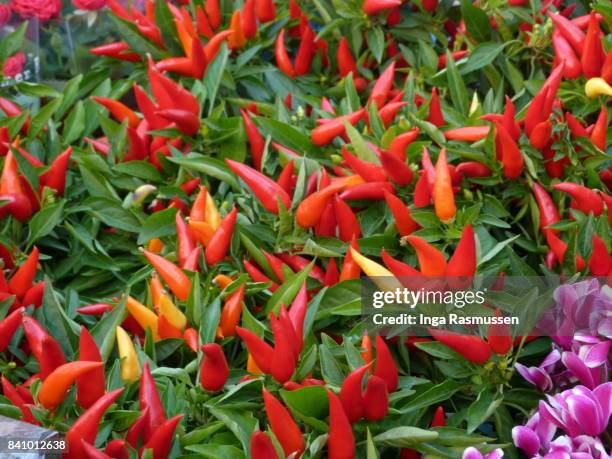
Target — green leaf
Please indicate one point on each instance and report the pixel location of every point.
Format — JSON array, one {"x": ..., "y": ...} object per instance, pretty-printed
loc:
[
  {"x": 13, "y": 42},
  {"x": 288, "y": 290},
  {"x": 104, "y": 331},
  {"x": 141, "y": 169},
  {"x": 484, "y": 54},
  {"x": 376, "y": 43},
  {"x": 481, "y": 409},
  {"x": 362, "y": 151},
  {"x": 133, "y": 38},
  {"x": 44, "y": 221},
  {"x": 456, "y": 85},
  {"x": 309, "y": 401},
  {"x": 432, "y": 396},
  {"x": 167, "y": 27},
  {"x": 74, "y": 124},
  {"x": 214, "y": 74},
  {"x": 111, "y": 213},
  {"x": 476, "y": 21},
  {"x": 65, "y": 330},
  {"x": 207, "y": 165},
  {"x": 40, "y": 119},
  {"x": 329, "y": 367},
  {"x": 285, "y": 134},
  {"x": 159, "y": 224},
  {"x": 405, "y": 437},
  {"x": 241, "y": 423}
]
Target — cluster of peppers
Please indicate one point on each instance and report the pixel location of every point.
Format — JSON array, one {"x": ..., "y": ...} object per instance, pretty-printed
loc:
[{"x": 329, "y": 208}]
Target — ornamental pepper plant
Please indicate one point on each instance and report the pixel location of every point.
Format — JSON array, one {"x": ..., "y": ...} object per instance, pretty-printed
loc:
[{"x": 187, "y": 208}]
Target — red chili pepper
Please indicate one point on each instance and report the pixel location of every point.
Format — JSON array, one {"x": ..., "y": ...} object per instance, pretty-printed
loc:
[
  {"x": 499, "y": 336},
  {"x": 120, "y": 111},
  {"x": 21, "y": 281},
  {"x": 332, "y": 276},
  {"x": 472, "y": 348},
  {"x": 8, "y": 327},
  {"x": 326, "y": 133},
  {"x": 346, "y": 62},
  {"x": 558, "y": 249},
  {"x": 276, "y": 265},
  {"x": 92, "y": 386},
  {"x": 135, "y": 431},
  {"x": 371, "y": 191},
  {"x": 382, "y": 86},
  {"x": 185, "y": 121},
  {"x": 396, "y": 168},
  {"x": 214, "y": 44},
  {"x": 87, "y": 425},
  {"x": 91, "y": 452},
  {"x": 261, "y": 351},
  {"x": 340, "y": 441},
  {"x": 600, "y": 262},
  {"x": 297, "y": 314},
  {"x": 463, "y": 261},
  {"x": 257, "y": 276},
  {"x": 285, "y": 179},
  {"x": 435, "y": 117},
  {"x": 370, "y": 172},
  {"x": 606, "y": 70},
  {"x": 266, "y": 10},
  {"x": 213, "y": 369},
  {"x": 282, "y": 424},
  {"x": 563, "y": 50},
  {"x": 575, "y": 127},
  {"x": 401, "y": 142},
  {"x": 44, "y": 347},
  {"x": 9, "y": 391},
  {"x": 385, "y": 365},
  {"x": 282, "y": 58},
  {"x": 298, "y": 263},
  {"x": 186, "y": 243},
  {"x": 284, "y": 355},
  {"x": 117, "y": 449},
  {"x": 467, "y": 134},
  {"x": 310, "y": 209},
  {"x": 431, "y": 260},
  {"x": 95, "y": 309},
  {"x": 401, "y": 214},
  {"x": 219, "y": 245},
  {"x": 230, "y": 315},
  {"x": 117, "y": 50},
  {"x": 161, "y": 440},
  {"x": 473, "y": 169},
  {"x": 306, "y": 52},
  {"x": 592, "y": 52},
  {"x": 398, "y": 268},
  {"x": 249, "y": 19},
  {"x": 608, "y": 200},
  {"x": 236, "y": 40},
  {"x": 55, "y": 176},
  {"x": 549, "y": 215},
  {"x": 54, "y": 388},
  {"x": 599, "y": 132},
  {"x": 351, "y": 394},
  {"x": 584, "y": 199},
  {"x": 372, "y": 7},
  {"x": 570, "y": 31},
  {"x": 213, "y": 11},
  {"x": 350, "y": 269},
  {"x": 540, "y": 135},
  {"x": 150, "y": 403},
  {"x": 266, "y": 190},
  {"x": 180, "y": 65},
  {"x": 439, "y": 418},
  {"x": 375, "y": 399},
  {"x": 511, "y": 157},
  {"x": 262, "y": 447},
  {"x": 176, "y": 279},
  {"x": 256, "y": 140}
]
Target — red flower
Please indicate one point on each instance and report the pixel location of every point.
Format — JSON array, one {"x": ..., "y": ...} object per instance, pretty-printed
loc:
[
  {"x": 41, "y": 9},
  {"x": 13, "y": 66},
  {"x": 90, "y": 5},
  {"x": 5, "y": 14}
]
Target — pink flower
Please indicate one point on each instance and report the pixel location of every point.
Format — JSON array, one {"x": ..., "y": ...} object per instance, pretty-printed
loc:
[
  {"x": 5, "y": 14},
  {"x": 13, "y": 66},
  {"x": 41, "y": 9},
  {"x": 90, "y": 5}
]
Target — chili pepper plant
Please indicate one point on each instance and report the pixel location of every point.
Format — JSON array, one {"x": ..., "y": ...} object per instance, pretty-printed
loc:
[{"x": 184, "y": 225}]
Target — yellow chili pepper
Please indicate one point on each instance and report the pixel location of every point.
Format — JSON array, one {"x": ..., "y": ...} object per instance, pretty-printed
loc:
[
  {"x": 381, "y": 276},
  {"x": 143, "y": 315},
  {"x": 596, "y": 87},
  {"x": 172, "y": 314},
  {"x": 213, "y": 217},
  {"x": 130, "y": 368}
]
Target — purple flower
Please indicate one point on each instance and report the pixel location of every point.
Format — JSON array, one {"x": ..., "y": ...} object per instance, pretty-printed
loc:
[
  {"x": 583, "y": 307},
  {"x": 540, "y": 376},
  {"x": 579, "y": 411},
  {"x": 473, "y": 453},
  {"x": 535, "y": 435}
]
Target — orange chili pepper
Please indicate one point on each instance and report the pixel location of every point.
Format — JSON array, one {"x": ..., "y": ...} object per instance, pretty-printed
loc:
[
  {"x": 444, "y": 198},
  {"x": 230, "y": 315},
  {"x": 176, "y": 279},
  {"x": 54, "y": 388}
]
